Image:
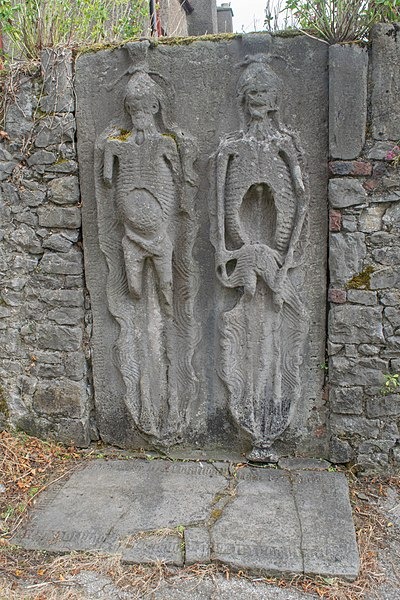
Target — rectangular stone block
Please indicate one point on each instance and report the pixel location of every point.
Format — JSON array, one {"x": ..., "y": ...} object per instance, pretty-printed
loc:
[
  {"x": 260, "y": 529},
  {"x": 346, "y": 192},
  {"x": 58, "y": 337},
  {"x": 355, "y": 324},
  {"x": 346, "y": 254},
  {"x": 58, "y": 90},
  {"x": 61, "y": 398},
  {"x": 52, "y": 216},
  {"x": 383, "y": 406},
  {"x": 346, "y": 400},
  {"x": 371, "y": 218},
  {"x": 385, "y": 278},
  {"x": 158, "y": 548},
  {"x": 62, "y": 297},
  {"x": 203, "y": 19},
  {"x": 349, "y": 425},
  {"x": 64, "y": 190},
  {"x": 362, "y": 297},
  {"x": 385, "y": 79},
  {"x": 70, "y": 263},
  {"x": 355, "y": 168},
  {"x": 387, "y": 255},
  {"x": 348, "y": 71},
  {"x": 133, "y": 507},
  {"x": 66, "y": 316},
  {"x": 354, "y": 372}
]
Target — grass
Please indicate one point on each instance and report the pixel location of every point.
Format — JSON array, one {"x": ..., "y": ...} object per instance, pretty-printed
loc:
[{"x": 29, "y": 465}]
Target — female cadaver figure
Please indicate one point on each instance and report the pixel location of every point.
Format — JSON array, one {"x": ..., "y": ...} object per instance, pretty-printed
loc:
[
  {"x": 144, "y": 182},
  {"x": 261, "y": 210}
]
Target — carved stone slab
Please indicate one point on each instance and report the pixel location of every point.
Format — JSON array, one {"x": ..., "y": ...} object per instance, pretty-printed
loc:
[
  {"x": 259, "y": 519},
  {"x": 133, "y": 506},
  {"x": 289, "y": 523},
  {"x": 204, "y": 227}
]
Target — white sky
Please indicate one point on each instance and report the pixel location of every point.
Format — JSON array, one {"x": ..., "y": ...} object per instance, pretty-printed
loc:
[{"x": 248, "y": 15}]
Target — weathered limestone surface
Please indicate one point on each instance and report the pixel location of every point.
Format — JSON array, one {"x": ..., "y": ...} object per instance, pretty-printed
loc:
[
  {"x": 192, "y": 254},
  {"x": 385, "y": 82},
  {"x": 267, "y": 520},
  {"x": 348, "y": 70}
]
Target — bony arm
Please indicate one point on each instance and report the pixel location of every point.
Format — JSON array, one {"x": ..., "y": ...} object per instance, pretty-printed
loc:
[
  {"x": 108, "y": 166},
  {"x": 222, "y": 161}
]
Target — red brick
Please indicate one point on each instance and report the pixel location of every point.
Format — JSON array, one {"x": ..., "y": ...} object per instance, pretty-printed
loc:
[
  {"x": 361, "y": 168},
  {"x": 370, "y": 184},
  {"x": 352, "y": 167},
  {"x": 335, "y": 220},
  {"x": 337, "y": 296}
]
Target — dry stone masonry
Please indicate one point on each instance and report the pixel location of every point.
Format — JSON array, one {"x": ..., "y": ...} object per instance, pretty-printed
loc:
[
  {"x": 44, "y": 383},
  {"x": 364, "y": 253},
  {"x": 207, "y": 211}
]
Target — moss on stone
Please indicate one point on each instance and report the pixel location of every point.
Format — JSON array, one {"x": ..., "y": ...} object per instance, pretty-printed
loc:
[
  {"x": 287, "y": 33},
  {"x": 123, "y": 136},
  {"x": 216, "y": 514},
  {"x": 182, "y": 40},
  {"x": 173, "y": 136},
  {"x": 190, "y": 39},
  {"x": 361, "y": 281}
]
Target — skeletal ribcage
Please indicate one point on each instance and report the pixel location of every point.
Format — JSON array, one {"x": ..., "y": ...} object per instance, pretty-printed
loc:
[
  {"x": 260, "y": 203},
  {"x": 142, "y": 172}
]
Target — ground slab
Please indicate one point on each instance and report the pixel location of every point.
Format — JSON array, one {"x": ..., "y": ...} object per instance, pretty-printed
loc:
[{"x": 263, "y": 520}]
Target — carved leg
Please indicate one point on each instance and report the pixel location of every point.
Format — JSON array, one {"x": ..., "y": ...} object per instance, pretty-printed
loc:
[
  {"x": 134, "y": 262},
  {"x": 163, "y": 266}
]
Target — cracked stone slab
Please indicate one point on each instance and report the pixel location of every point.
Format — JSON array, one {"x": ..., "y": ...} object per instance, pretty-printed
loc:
[
  {"x": 106, "y": 503},
  {"x": 260, "y": 529},
  {"x": 167, "y": 548},
  {"x": 197, "y": 545},
  {"x": 304, "y": 464},
  {"x": 258, "y": 519},
  {"x": 328, "y": 538},
  {"x": 288, "y": 522}
]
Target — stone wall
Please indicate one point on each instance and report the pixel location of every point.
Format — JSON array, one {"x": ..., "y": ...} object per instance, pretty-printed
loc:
[
  {"x": 43, "y": 367},
  {"x": 364, "y": 253}
]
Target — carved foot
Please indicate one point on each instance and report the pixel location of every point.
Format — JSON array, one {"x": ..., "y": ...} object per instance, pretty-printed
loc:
[{"x": 262, "y": 455}]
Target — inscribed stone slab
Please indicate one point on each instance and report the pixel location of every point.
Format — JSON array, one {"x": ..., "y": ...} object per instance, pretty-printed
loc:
[
  {"x": 260, "y": 529},
  {"x": 277, "y": 521},
  {"x": 103, "y": 505},
  {"x": 328, "y": 537},
  {"x": 289, "y": 522}
]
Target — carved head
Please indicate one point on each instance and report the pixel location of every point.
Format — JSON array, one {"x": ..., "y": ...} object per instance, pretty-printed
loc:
[
  {"x": 258, "y": 88},
  {"x": 142, "y": 100}
]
